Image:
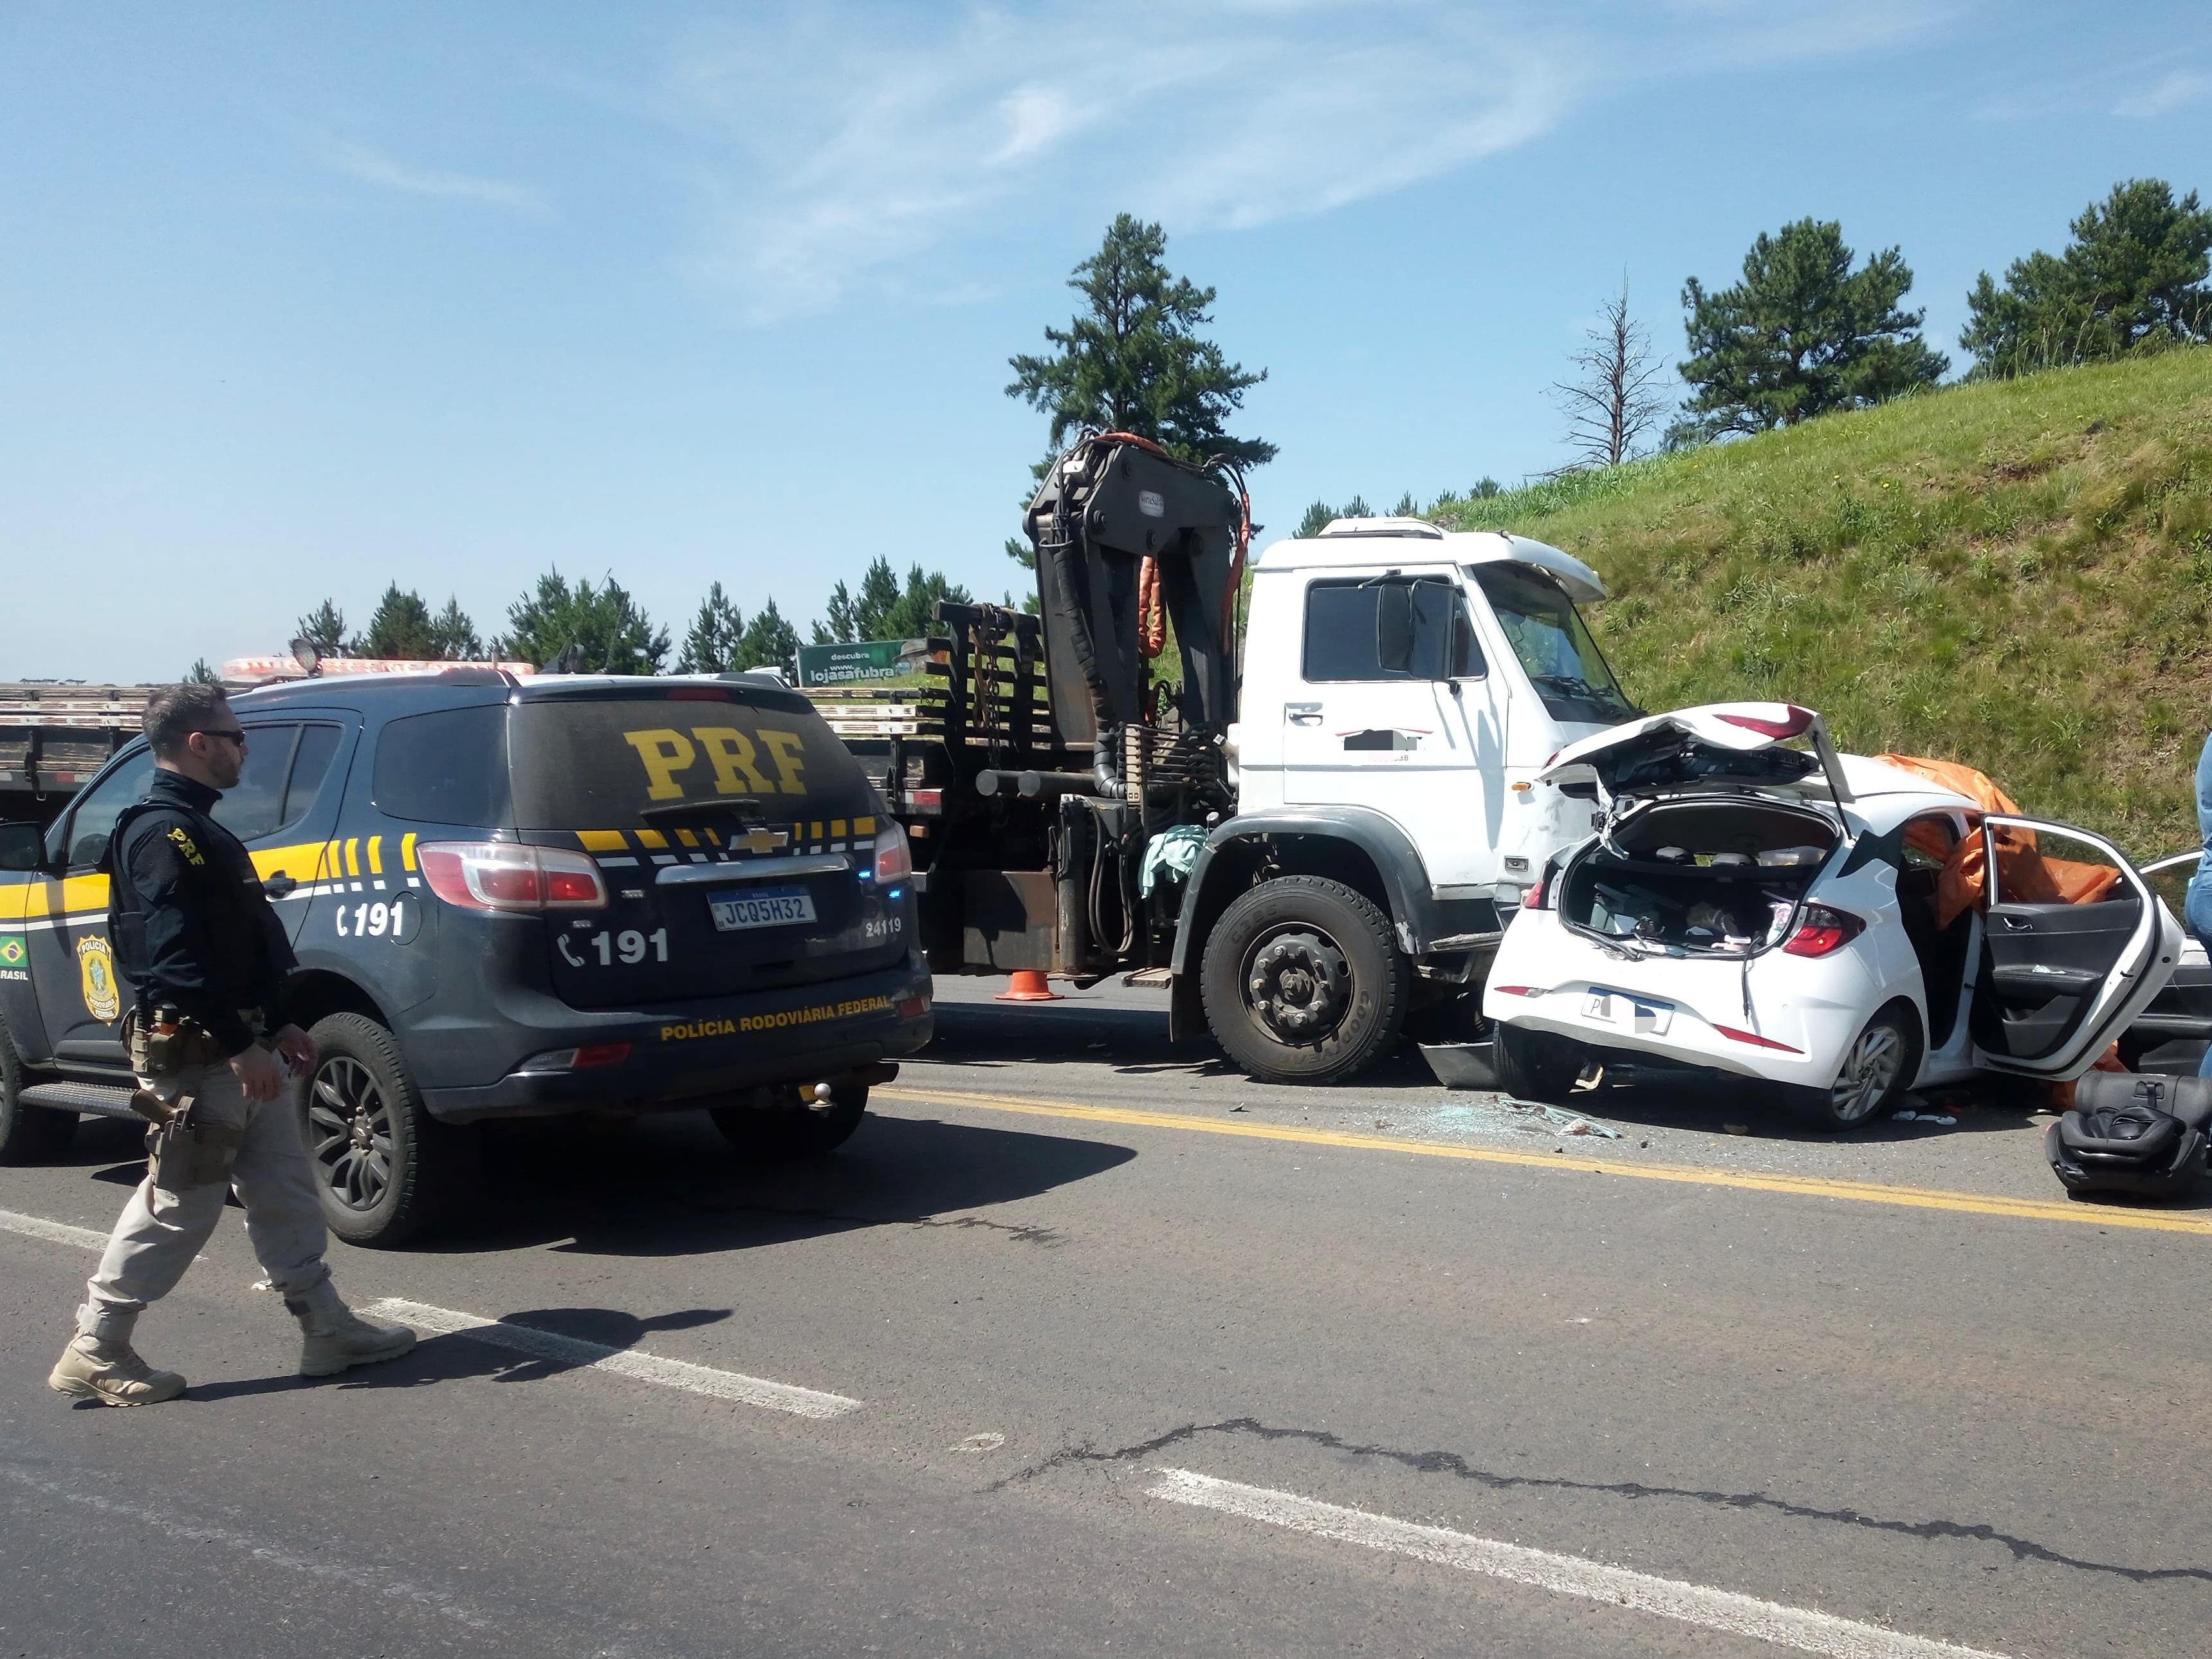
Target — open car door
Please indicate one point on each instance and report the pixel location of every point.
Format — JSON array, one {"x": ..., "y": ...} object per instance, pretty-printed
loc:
[{"x": 2074, "y": 945}]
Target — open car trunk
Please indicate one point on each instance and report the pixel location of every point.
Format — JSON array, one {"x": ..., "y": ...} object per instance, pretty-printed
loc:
[{"x": 1720, "y": 876}]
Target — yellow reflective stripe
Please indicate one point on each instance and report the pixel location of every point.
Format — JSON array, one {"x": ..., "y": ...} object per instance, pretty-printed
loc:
[
  {"x": 863, "y": 826},
  {"x": 352, "y": 857},
  {"x": 14, "y": 899},
  {"x": 651, "y": 838},
  {"x": 816, "y": 835},
  {"x": 84, "y": 893},
  {"x": 714, "y": 838},
  {"x": 376, "y": 855},
  {"x": 687, "y": 837},
  {"x": 600, "y": 841},
  {"x": 837, "y": 829},
  {"x": 407, "y": 850}
]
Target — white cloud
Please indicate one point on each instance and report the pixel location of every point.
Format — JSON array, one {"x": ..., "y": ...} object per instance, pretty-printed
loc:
[
  {"x": 2176, "y": 91},
  {"x": 372, "y": 167},
  {"x": 840, "y": 145}
]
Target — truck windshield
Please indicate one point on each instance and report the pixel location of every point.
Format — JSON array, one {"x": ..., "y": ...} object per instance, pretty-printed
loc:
[{"x": 1554, "y": 645}]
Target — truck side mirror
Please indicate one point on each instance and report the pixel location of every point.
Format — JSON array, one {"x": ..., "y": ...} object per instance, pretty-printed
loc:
[
  {"x": 1394, "y": 629},
  {"x": 22, "y": 847}
]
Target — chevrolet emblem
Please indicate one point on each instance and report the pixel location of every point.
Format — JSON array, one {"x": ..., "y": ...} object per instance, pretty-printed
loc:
[{"x": 762, "y": 841}]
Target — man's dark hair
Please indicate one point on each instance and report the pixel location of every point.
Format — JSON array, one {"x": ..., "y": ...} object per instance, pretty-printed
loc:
[{"x": 176, "y": 712}]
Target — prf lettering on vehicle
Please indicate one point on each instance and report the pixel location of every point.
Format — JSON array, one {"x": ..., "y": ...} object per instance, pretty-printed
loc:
[
  {"x": 735, "y": 760},
  {"x": 821, "y": 1010}
]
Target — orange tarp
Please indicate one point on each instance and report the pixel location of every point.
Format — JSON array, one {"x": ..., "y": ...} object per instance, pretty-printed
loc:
[{"x": 2026, "y": 876}]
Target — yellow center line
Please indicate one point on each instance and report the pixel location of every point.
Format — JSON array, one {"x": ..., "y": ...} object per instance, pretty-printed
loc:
[{"x": 1864, "y": 1192}]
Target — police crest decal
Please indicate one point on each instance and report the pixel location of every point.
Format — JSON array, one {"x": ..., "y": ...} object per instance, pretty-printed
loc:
[{"x": 95, "y": 967}]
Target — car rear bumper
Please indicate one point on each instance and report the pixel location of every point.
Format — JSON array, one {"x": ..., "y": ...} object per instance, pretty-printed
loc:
[{"x": 692, "y": 1054}]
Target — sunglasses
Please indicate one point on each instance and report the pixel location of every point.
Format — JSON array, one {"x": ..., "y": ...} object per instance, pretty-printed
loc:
[{"x": 232, "y": 732}]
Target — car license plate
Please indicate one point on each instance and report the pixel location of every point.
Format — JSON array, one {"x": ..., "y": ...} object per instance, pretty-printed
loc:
[
  {"x": 735, "y": 909},
  {"x": 1638, "y": 1014}
]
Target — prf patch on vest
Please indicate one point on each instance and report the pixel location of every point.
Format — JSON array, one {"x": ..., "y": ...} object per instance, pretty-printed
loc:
[
  {"x": 183, "y": 840},
  {"x": 95, "y": 965}
]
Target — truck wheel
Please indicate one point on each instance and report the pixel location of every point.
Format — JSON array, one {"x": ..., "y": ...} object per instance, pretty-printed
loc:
[
  {"x": 1536, "y": 1065},
  {"x": 28, "y": 1134},
  {"x": 1882, "y": 1063},
  {"x": 787, "y": 1131},
  {"x": 386, "y": 1171},
  {"x": 1303, "y": 982}
]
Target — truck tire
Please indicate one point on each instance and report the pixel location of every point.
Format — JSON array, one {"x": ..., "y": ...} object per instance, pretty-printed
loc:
[
  {"x": 1302, "y": 981},
  {"x": 28, "y": 1134},
  {"x": 784, "y": 1134},
  {"x": 386, "y": 1171},
  {"x": 1536, "y": 1065}
]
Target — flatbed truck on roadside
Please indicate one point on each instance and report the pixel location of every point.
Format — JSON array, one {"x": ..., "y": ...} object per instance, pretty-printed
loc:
[{"x": 1310, "y": 830}]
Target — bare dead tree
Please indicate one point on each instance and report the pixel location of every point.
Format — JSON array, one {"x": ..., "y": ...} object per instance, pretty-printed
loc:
[{"x": 1611, "y": 405}]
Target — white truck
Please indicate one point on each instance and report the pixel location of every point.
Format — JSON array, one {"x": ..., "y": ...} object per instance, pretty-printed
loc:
[{"x": 1308, "y": 847}]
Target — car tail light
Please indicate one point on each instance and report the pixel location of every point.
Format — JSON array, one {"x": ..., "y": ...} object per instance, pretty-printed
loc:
[
  {"x": 1518, "y": 990},
  {"x": 1539, "y": 896},
  {"x": 913, "y": 1007},
  {"x": 894, "y": 860},
  {"x": 1794, "y": 723},
  {"x": 1754, "y": 1038},
  {"x": 575, "y": 1059},
  {"x": 507, "y": 875},
  {"x": 1821, "y": 930}
]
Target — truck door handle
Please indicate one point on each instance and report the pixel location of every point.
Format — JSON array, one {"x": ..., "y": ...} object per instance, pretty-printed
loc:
[
  {"x": 280, "y": 885},
  {"x": 1301, "y": 713}
]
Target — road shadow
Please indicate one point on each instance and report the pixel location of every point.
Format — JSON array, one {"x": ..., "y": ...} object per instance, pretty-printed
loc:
[
  {"x": 457, "y": 1356},
  {"x": 668, "y": 1184},
  {"x": 1132, "y": 1041}
]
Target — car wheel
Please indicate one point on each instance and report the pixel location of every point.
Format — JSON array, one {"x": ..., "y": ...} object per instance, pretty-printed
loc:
[
  {"x": 28, "y": 1134},
  {"x": 1537, "y": 1065},
  {"x": 1302, "y": 981},
  {"x": 386, "y": 1171},
  {"x": 1878, "y": 1068},
  {"x": 789, "y": 1131}
]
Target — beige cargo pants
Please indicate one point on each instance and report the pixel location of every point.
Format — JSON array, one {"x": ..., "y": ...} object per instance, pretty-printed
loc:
[{"x": 170, "y": 1218}]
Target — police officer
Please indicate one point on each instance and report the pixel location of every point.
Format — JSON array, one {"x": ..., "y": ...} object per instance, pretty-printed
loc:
[{"x": 218, "y": 1065}]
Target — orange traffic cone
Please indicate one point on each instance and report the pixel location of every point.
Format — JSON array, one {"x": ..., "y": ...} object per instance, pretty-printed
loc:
[{"x": 1029, "y": 986}]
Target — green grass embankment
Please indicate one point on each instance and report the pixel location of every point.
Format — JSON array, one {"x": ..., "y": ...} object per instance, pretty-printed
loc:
[{"x": 2017, "y": 575}]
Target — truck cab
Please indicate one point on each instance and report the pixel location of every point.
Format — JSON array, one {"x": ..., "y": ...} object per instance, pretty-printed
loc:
[{"x": 1429, "y": 676}]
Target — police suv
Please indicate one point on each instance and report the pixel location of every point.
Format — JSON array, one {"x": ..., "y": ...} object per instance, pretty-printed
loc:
[{"x": 509, "y": 898}]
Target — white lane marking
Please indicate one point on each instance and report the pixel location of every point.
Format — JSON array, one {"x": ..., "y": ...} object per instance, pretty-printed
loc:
[
  {"x": 54, "y": 1232},
  {"x": 1566, "y": 1575},
  {"x": 626, "y": 1362},
  {"x": 263, "y": 1549}
]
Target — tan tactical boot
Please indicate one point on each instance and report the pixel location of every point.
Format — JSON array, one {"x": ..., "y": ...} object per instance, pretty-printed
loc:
[
  {"x": 337, "y": 1339},
  {"x": 111, "y": 1371}
]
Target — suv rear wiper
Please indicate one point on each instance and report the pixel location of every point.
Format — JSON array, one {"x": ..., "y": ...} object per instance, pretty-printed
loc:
[{"x": 732, "y": 807}]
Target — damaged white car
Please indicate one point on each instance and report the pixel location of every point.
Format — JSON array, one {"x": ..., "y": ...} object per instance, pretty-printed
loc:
[{"x": 1771, "y": 911}]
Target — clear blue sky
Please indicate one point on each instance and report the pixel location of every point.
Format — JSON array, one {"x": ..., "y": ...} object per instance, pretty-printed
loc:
[{"x": 297, "y": 300}]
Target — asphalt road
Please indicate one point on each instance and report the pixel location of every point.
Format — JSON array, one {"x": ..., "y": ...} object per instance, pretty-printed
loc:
[{"x": 1086, "y": 1345}]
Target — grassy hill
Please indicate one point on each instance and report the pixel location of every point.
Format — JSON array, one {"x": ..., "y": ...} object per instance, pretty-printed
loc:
[{"x": 2017, "y": 575}]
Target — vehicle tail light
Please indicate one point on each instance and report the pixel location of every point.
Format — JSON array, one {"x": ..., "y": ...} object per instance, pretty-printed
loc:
[
  {"x": 1539, "y": 897},
  {"x": 1754, "y": 1038},
  {"x": 1821, "y": 930},
  {"x": 575, "y": 1059},
  {"x": 507, "y": 875},
  {"x": 894, "y": 859},
  {"x": 1795, "y": 722},
  {"x": 913, "y": 1007},
  {"x": 1518, "y": 990}
]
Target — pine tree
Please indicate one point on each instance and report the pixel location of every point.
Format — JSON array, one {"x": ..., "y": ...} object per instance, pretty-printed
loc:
[
  {"x": 769, "y": 641},
  {"x": 1133, "y": 360},
  {"x": 1802, "y": 334},
  {"x": 1318, "y": 518},
  {"x": 1407, "y": 507},
  {"x": 711, "y": 647},
  {"x": 325, "y": 628},
  {"x": 453, "y": 637},
  {"x": 1356, "y": 507},
  {"x": 609, "y": 634},
  {"x": 204, "y": 673},
  {"x": 2133, "y": 279},
  {"x": 401, "y": 628}
]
